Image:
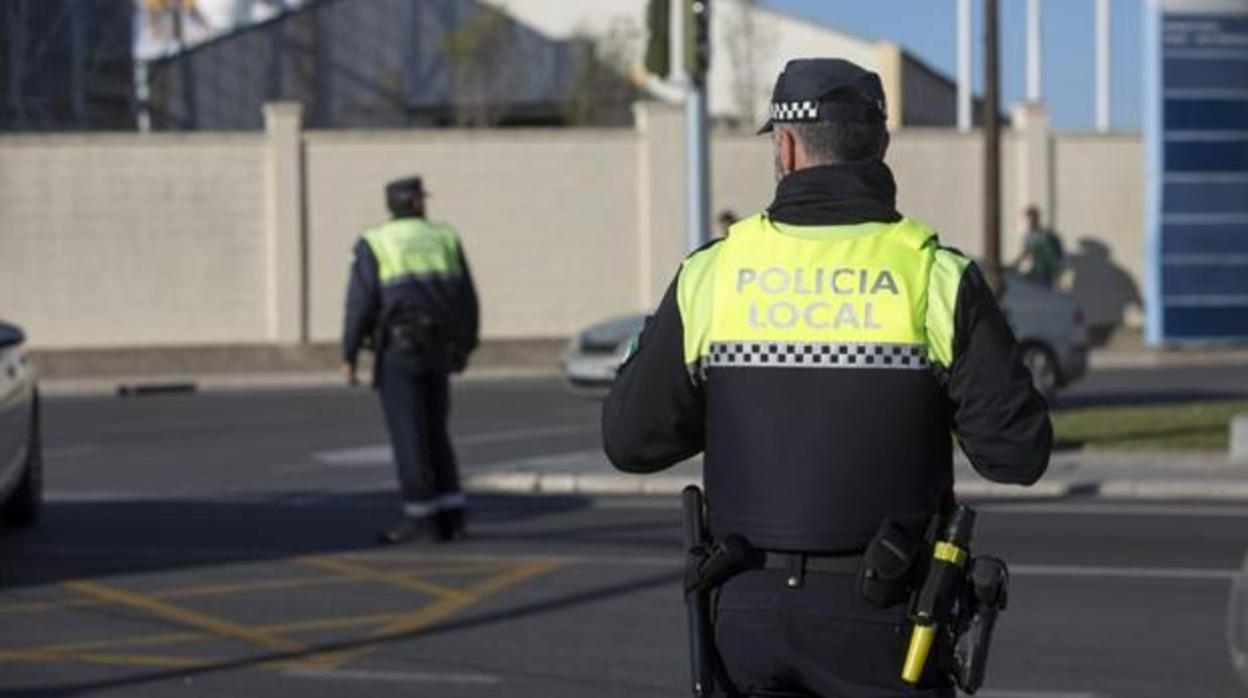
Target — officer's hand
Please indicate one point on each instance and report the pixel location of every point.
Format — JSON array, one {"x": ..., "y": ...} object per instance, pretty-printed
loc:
[{"x": 352, "y": 378}]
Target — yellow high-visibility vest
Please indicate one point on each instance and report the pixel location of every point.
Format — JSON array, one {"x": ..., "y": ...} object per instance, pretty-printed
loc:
[
  {"x": 873, "y": 295},
  {"x": 413, "y": 249}
]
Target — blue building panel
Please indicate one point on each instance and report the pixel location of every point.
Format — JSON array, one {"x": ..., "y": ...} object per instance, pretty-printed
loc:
[
  {"x": 1187, "y": 73},
  {"x": 1197, "y": 133},
  {"x": 1209, "y": 114},
  {"x": 1228, "y": 238},
  {"x": 1208, "y": 323},
  {"x": 1205, "y": 196}
]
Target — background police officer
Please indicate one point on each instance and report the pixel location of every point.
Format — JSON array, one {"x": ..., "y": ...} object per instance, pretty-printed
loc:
[
  {"x": 820, "y": 355},
  {"x": 411, "y": 298}
]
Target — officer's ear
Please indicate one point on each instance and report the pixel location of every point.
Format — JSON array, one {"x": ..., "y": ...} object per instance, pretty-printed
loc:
[{"x": 786, "y": 151}]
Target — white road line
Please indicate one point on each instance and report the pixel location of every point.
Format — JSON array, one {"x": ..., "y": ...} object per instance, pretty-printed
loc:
[
  {"x": 380, "y": 454},
  {"x": 668, "y": 561},
  {"x": 67, "y": 452},
  {"x": 525, "y": 434},
  {"x": 1172, "y": 573},
  {"x": 1038, "y": 694},
  {"x": 1115, "y": 509},
  {"x": 392, "y": 676}
]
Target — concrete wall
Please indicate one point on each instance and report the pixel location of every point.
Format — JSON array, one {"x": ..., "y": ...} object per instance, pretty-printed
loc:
[
  {"x": 123, "y": 241},
  {"x": 1099, "y": 211},
  {"x": 109, "y": 241},
  {"x": 542, "y": 214}
]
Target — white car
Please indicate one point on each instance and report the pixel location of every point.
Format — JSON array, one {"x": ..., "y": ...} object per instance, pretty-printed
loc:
[
  {"x": 21, "y": 461},
  {"x": 1048, "y": 324}
]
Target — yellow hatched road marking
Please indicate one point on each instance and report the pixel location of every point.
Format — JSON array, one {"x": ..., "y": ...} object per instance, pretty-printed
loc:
[
  {"x": 270, "y": 636},
  {"x": 113, "y": 659},
  {"x": 404, "y": 625},
  {"x": 185, "y": 616},
  {"x": 187, "y": 592},
  {"x": 61, "y": 651},
  {"x": 402, "y": 581}
]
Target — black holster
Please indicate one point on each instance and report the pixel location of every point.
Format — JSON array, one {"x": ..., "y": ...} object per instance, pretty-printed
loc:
[{"x": 708, "y": 564}]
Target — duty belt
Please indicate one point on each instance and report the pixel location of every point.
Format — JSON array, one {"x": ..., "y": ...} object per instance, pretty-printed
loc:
[{"x": 798, "y": 565}]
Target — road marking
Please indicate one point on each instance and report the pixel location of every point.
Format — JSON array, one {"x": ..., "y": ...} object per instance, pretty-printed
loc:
[
  {"x": 109, "y": 659},
  {"x": 68, "y": 452},
  {"x": 402, "y": 581},
  {"x": 375, "y": 455},
  {"x": 502, "y": 435},
  {"x": 1038, "y": 694},
  {"x": 1174, "y": 573},
  {"x": 185, "y": 616},
  {"x": 407, "y": 624},
  {"x": 1116, "y": 509},
  {"x": 392, "y": 676}
]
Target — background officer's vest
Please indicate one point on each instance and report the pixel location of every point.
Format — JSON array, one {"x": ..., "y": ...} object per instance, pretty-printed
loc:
[
  {"x": 420, "y": 268},
  {"x": 821, "y": 349}
]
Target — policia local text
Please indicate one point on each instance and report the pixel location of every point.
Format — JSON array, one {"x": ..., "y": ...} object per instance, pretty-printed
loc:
[{"x": 816, "y": 314}]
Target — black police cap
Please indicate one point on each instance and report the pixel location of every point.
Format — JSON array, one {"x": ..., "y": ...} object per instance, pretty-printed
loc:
[
  {"x": 400, "y": 192},
  {"x": 825, "y": 89}
]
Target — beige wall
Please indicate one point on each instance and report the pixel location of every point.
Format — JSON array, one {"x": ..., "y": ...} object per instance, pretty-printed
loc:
[
  {"x": 132, "y": 240},
  {"x": 542, "y": 215},
  {"x": 129, "y": 240},
  {"x": 938, "y": 176},
  {"x": 1099, "y": 211}
]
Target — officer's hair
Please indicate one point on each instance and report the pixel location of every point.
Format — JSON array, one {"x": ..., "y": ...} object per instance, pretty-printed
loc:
[{"x": 829, "y": 142}]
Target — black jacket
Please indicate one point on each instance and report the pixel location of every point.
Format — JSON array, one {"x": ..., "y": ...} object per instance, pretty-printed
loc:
[
  {"x": 830, "y": 453},
  {"x": 371, "y": 306}
]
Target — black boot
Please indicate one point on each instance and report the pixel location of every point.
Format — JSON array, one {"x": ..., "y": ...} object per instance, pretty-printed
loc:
[
  {"x": 450, "y": 525},
  {"x": 404, "y": 531}
]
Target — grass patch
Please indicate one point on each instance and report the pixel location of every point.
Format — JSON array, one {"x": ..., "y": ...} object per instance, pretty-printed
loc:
[{"x": 1182, "y": 426}]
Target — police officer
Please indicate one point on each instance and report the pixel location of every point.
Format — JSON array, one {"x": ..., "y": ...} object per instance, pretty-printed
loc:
[
  {"x": 820, "y": 356},
  {"x": 411, "y": 298}
]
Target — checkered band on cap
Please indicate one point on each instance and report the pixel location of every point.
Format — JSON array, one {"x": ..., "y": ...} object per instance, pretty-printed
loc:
[
  {"x": 817, "y": 355},
  {"x": 795, "y": 111}
]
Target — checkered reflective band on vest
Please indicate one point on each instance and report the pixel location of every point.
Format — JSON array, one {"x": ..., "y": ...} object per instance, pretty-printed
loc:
[{"x": 817, "y": 355}]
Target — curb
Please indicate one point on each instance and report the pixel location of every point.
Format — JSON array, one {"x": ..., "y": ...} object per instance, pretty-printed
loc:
[
  {"x": 527, "y": 482},
  {"x": 125, "y": 385}
]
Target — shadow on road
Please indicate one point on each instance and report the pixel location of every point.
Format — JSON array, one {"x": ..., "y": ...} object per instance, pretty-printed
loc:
[{"x": 87, "y": 539}]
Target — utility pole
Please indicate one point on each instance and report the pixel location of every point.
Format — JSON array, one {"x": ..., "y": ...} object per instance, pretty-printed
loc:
[
  {"x": 1035, "y": 51},
  {"x": 1102, "y": 65},
  {"x": 965, "y": 119},
  {"x": 697, "y": 59},
  {"x": 992, "y": 148}
]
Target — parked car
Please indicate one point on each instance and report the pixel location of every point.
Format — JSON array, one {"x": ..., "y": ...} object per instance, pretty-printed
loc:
[
  {"x": 21, "y": 453},
  {"x": 1048, "y": 324}
]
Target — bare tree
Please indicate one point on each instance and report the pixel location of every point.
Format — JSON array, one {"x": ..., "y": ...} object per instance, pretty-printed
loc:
[
  {"x": 602, "y": 91},
  {"x": 748, "y": 43},
  {"x": 478, "y": 50}
]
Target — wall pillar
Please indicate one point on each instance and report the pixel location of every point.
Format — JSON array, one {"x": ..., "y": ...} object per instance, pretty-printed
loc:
[
  {"x": 661, "y": 195},
  {"x": 892, "y": 63},
  {"x": 284, "y": 224},
  {"x": 1034, "y": 163}
]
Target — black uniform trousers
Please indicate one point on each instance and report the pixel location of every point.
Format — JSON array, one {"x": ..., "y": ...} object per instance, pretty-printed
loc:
[
  {"x": 819, "y": 639},
  {"x": 416, "y": 399}
]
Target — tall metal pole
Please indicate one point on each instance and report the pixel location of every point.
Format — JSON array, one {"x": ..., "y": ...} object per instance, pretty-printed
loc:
[
  {"x": 697, "y": 152},
  {"x": 1102, "y": 65},
  {"x": 1035, "y": 49},
  {"x": 992, "y": 149},
  {"x": 15, "y": 16},
  {"x": 965, "y": 118}
]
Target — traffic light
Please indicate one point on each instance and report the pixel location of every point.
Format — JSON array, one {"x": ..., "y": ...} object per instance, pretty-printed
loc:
[
  {"x": 697, "y": 39},
  {"x": 658, "y": 47}
]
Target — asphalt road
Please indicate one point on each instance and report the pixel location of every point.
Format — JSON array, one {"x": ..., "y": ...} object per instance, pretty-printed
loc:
[{"x": 221, "y": 545}]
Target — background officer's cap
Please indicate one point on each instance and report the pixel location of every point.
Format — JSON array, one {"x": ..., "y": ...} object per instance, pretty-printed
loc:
[
  {"x": 825, "y": 89},
  {"x": 400, "y": 192}
]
